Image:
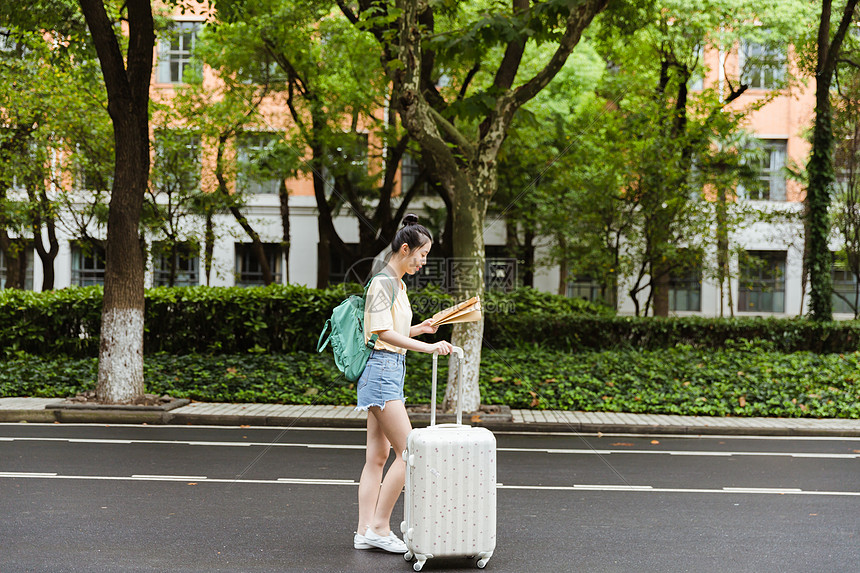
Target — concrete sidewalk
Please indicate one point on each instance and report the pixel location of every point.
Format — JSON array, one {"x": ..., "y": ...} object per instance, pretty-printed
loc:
[{"x": 217, "y": 414}]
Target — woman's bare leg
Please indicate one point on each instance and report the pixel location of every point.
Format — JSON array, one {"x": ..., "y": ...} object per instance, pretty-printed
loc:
[
  {"x": 371, "y": 476},
  {"x": 394, "y": 423}
]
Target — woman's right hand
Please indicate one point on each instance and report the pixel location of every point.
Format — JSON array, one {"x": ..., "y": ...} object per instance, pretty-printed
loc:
[{"x": 442, "y": 347}]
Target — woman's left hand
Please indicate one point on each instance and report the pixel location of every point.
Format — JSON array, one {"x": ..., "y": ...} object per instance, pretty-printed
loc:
[{"x": 427, "y": 327}]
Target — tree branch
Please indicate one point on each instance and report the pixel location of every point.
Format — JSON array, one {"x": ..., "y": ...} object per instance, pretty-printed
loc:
[
  {"x": 507, "y": 71},
  {"x": 468, "y": 80},
  {"x": 579, "y": 19},
  {"x": 848, "y": 61},
  {"x": 347, "y": 11},
  {"x": 829, "y": 64},
  {"x": 452, "y": 132}
]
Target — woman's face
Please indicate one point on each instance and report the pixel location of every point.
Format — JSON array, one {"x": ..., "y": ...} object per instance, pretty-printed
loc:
[{"x": 417, "y": 258}]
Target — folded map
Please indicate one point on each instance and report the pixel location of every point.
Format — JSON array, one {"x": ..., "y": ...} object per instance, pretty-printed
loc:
[{"x": 466, "y": 311}]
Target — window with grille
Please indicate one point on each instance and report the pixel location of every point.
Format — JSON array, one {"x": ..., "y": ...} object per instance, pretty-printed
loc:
[
  {"x": 24, "y": 265},
  {"x": 248, "y": 269},
  {"x": 762, "y": 67},
  {"x": 762, "y": 282},
  {"x": 183, "y": 264},
  {"x": 591, "y": 290},
  {"x": 410, "y": 170},
  {"x": 88, "y": 264},
  {"x": 175, "y": 51},
  {"x": 845, "y": 297},
  {"x": 771, "y": 169},
  {"x": 177, "y": 164},
  {"x": 685, "y": 289},
  {"x": 253, "y": 174}
]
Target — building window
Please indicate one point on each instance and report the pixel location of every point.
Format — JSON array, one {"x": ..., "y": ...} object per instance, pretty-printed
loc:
[
  {"x": 846, "y": 294},
  {"x": 177, "y": 161},
  {"x": 174, "y": 53},
  {"x": 88, "y": 264},
  {"x": 685, "y": 289},
  {"x": 256, "y": 170},
  {"x": 347, "y": 161},
  {"x": 24, "y": 266},
  {"x": 183, "y": 265},
  {"x": 591, "y": 290},
  {"x": 696, "y": 81},
  {"x": 341, "y": 270},
  {"x": 771, "y": 169},
  {"x": 762, "y": 67},
  {"x": 500, "y": 269},
  {"x": 410, "y": 170},
  {"x": 248, "y": 269},
  {"x": 762, "y": 282}
]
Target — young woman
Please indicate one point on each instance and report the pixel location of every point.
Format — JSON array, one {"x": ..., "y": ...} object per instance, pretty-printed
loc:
[{"x": 380, "y": 388}]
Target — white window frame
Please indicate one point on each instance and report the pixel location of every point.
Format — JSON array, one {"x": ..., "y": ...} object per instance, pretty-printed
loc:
[
  {"x": 767, "y": 67},
  {"x": 174, "y": 56}
]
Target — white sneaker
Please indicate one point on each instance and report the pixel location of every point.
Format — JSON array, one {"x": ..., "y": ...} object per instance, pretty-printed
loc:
[
  {"x": 390, "y": 543},
  {"x": 359, "y": 542}
]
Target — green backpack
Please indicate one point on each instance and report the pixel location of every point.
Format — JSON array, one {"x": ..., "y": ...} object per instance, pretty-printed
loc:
[{"x": 346, "y": 335}]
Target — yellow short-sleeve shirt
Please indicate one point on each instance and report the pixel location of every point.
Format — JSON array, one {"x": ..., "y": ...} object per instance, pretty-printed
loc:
[{"x": 379, "y": 314}]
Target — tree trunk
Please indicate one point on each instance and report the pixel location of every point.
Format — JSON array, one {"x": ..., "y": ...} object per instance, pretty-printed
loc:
[
  {"x": 820, "y": 169},
  {"x": 528, "y": 254},
  {"x": 12, "y": 257},
  {"x": 563, "y": 268},
  {"x": 820, "y": 166},
  {"x": 284, "y": 196},
  {"x": 120, "y": 377},
  {"x": 209, "y": 245},
  {"x": 323, "y": 256},
  {"x": 660, "y": 288},
  {"x": 46, "y": 255},
  {"x": 468, "y": 280}
]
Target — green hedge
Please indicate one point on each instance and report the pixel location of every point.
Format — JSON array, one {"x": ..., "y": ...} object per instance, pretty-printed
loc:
[
  {"x": 572, "y": 332},
  {"x": 183, "y": 320},
  {"x": 748, "y": 381},
  {"x": 288, "y": 318}
]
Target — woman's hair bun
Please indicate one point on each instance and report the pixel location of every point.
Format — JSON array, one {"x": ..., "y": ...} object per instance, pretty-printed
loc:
[{"x": 410, "y": 219}]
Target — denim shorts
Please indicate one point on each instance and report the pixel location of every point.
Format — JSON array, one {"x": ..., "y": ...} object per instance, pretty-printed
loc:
[{"x": 382, "y": 379}]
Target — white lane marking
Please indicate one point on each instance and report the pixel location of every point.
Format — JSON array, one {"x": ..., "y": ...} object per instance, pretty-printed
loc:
[
  {"x": 751, "y": 436},
  {"x": 148, "y": 427},
  {"x": 317, "y": 481},
  {"x": 195, "y": 443},
  {"x": 330, "y": 446},
  {"x": 568, "y": 451},
  {"x": 612, "y": 487},
  {"x": 168, "y": 477},
  {"x": 648, "y": 489},
  {"x": 579, "y": 487},
  {"x": 97, "y": 441},
  {"x": 244, "y": 444},
  {"x": 763, "y": 489}
]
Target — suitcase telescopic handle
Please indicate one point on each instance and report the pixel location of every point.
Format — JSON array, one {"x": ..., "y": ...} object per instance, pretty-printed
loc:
[{"x": 459, "y": 352}]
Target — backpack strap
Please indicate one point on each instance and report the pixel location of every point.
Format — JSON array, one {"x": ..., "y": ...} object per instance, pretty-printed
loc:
[
  {"x": 321, "y": 344},
  {"x": 393, "y": 294},
  {"x": 371, "y": 343}
]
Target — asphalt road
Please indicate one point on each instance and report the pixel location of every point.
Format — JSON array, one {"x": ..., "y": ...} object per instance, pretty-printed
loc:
[{"x": 147, "y": 498}]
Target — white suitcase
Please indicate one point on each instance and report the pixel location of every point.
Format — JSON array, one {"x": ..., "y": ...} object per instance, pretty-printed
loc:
[{"x": 450, "y": 501}]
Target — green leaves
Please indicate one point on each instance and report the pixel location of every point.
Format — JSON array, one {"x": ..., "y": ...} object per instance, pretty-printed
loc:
[{"x": 748, "y": 381}]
